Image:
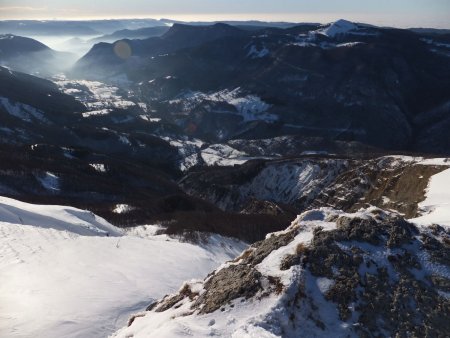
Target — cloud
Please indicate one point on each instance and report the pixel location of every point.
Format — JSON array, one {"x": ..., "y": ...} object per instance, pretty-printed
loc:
[{"x": 22, "y": 8}]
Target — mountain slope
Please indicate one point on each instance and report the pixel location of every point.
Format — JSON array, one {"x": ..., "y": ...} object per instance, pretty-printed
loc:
[
  {"x": 371, "y": 272},
  {"x": 37, "y": 92},
  {"x": 106, "y": 60},
  {"x": 68, "y": 273},
  {"x": 33, "y": 109},
  {"x": 31, "y": 56}
]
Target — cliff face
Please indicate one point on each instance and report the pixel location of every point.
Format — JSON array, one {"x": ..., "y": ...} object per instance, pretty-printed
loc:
[
  {"x": 389, "y": 182},
  {"x": 369, "y": 273}
]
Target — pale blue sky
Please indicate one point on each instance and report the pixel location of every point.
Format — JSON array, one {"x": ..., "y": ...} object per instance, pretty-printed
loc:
[{"x": 401, "y": 13}]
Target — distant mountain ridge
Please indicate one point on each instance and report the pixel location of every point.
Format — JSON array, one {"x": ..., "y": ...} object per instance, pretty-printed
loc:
[
  {"x": 98, "y": 27},
  {"x": 31, "y": 56},
  {"x": 343, "y": 81},
  {"x": 12, "y": 46},
  {"x": 140, "y": 33}
]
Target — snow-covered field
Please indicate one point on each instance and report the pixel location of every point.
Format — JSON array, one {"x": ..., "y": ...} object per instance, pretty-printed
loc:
[
  {"x": 98, "y": 97},
  {"x": 67, "y": 273}
]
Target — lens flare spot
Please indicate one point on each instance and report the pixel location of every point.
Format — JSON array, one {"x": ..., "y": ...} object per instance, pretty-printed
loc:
[{"x": 122, "y": 49}]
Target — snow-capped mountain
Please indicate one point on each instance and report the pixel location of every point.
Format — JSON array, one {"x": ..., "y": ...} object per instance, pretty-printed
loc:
[{"x": 342, "y": 27}]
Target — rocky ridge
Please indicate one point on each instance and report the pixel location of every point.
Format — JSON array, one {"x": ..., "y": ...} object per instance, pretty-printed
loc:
[{"x": 369, "y": 273}]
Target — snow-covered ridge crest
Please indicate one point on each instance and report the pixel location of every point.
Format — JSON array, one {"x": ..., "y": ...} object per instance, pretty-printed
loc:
[
  {"x": 329, "y": 273},
  {"x": 62, "y": 218},
  {"x": 338, "y": 27}
]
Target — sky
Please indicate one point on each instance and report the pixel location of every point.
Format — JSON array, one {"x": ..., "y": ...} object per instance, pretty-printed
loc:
[{"x": 397, "y": 13}]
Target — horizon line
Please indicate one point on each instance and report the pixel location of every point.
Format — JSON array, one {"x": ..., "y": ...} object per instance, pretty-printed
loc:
[
  {"x": 322, "y": 18},
  {"x": 231, "y": 19}
]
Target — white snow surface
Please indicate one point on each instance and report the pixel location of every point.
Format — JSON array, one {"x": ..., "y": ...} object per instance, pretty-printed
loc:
[
  {"x": 100, "y": 167},
  {"x": 223, "y": 155},
  {"x": 96, "y": 112},
  {"x": 66, "y": 272},
  {"x": 436, "y": 207},
  {"x": 123, "y": 208},
  {"x": 148, "y": 118}
]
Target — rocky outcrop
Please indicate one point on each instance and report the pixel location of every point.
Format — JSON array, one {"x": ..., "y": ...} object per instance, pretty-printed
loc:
[{"x": 366, "y": 274}]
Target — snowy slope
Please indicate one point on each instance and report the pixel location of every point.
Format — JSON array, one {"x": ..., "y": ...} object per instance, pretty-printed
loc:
[
  {"x": 279, "y": 181},
  {"x": 249, "y": 107},
  {"x": 287, "y": 182},
  {"x": 436, "y": 207},
  {"x": 223, "y": 155},
  {"x": 67, "y": 273}
]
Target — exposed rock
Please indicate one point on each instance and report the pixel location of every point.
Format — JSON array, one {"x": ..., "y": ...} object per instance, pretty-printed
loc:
[
  {"x": 264, "y": 248},
  {"x": 289, "y": 261},
  {"x": 228, "y": 284},
  {"x": 268, "y": 208}
]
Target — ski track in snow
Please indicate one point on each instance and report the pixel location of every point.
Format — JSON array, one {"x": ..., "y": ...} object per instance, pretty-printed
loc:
[{"x": 68, "y": 273}]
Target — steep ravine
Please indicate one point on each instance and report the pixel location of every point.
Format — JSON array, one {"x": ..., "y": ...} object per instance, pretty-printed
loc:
[{"x": 395, "y": 183}]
